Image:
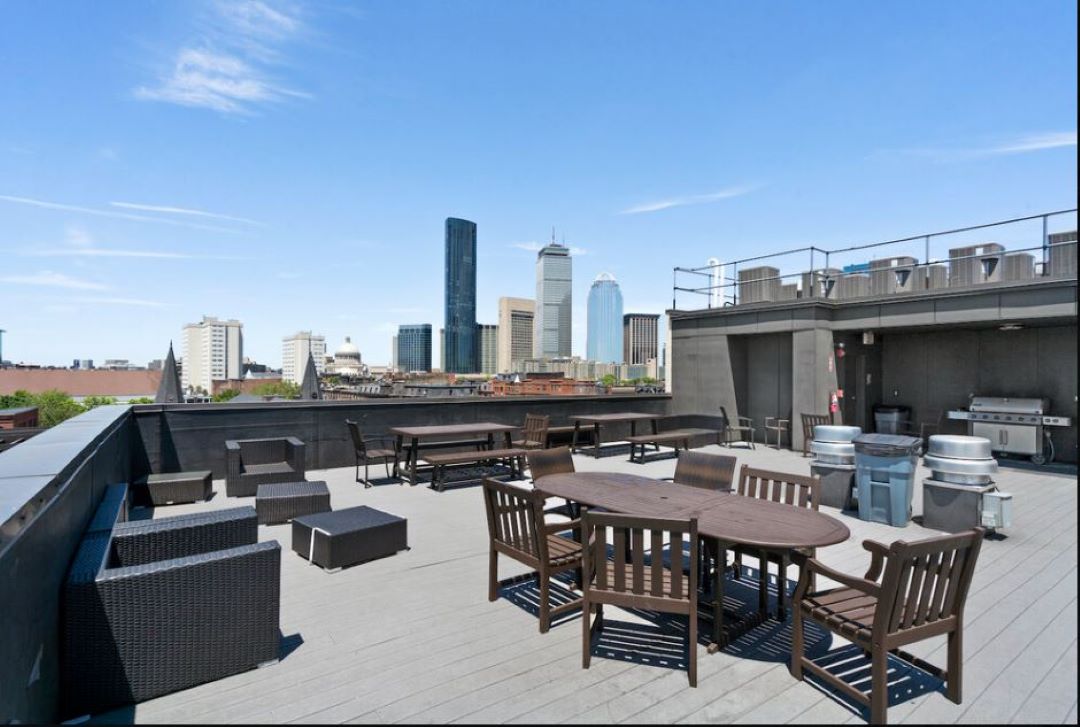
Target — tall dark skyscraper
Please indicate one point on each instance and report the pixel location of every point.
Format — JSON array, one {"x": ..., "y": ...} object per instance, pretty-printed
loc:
[
  {"x": 461, "y": 346},
  {"x": 414, "y": 347}
]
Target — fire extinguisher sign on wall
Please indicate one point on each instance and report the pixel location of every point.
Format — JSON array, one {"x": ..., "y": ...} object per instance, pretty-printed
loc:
[{"x": 834, "y": 403}]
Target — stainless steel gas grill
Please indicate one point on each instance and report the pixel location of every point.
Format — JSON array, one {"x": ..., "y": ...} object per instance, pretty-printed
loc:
[{"x": 1014, "y": 426}]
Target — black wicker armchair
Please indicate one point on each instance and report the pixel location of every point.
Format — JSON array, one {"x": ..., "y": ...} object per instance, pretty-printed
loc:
[
  {"x": 253, "y": 462},
  {"x": 153, "y": 607}
]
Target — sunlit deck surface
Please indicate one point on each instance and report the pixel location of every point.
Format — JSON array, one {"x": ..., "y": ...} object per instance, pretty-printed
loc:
[{"x": 413, "y": 638}]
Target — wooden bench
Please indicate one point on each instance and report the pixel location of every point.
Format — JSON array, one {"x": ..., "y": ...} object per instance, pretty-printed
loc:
[
  {"x": 440, "y": 461},
  {"x": 671, "y": 438},
  {"x": 566, "y": 433}
]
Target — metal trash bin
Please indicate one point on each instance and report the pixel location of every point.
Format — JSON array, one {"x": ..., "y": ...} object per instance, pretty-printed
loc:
[
  {"x": 834, "y": 463},
  {"x": 891, "y": 418},
  {"x": 960, "y": 493},
  {"x": 885, "y": 476}
]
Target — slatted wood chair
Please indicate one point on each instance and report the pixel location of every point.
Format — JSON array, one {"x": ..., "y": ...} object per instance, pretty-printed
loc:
[
  {"x": 535, "y": 432},
  {"x": 809, "y": 421},
  {"x": 369, "y": 448},
  {"x": 628, "y": 582},
  {"x": 706, "y": 472},
  {"x": 517, "y": 530},
  {"x": 921, "y": 594},
  {"x": 794, "y": 490},
  {"x": 556, "y": 461}
]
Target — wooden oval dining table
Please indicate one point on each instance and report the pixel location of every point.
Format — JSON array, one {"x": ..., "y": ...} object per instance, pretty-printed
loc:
[{"x": 726, "y": 517}]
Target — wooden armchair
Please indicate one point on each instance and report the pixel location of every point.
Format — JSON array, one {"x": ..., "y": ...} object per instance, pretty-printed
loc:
[
  {"x": 921, "y": 594},
  {"x": 365, "y": 453},
  {"x": 794, "y": 490},
  {"x": 627, "y": 582},
  {"x": 535, "y": 432},
  {"x": 555, "y": 461},
  {"x": 516, "y": 527},
  {"x": 809, "y": 421}
]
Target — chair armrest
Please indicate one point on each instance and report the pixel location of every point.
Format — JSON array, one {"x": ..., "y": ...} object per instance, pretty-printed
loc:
[
  {"x": 870, "y": 588},
  {"x": 745, "y": 421},
  {"x": 553, "y": 528},
  {"x": 878, "y": 553},
  {"x": 776, "y": 421},
  {"x": 148, "y": 541}
]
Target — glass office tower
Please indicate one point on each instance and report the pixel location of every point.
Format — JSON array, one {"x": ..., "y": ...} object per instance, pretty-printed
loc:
[
  {"x": 554, "y": 302},
  {"x": 604, "y": 336},
  {"x": 414, "y": 347},
  {"x": 461, "y": 346}
]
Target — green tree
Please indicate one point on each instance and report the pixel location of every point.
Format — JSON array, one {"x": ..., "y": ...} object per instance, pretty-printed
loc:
[
  {"x": 54, "y": 406},
  {"x": 17, "y": 400},
  {"x": 141, "y": 400},
  {"x": 91, "y": 402},
  {"x": 225, "y": 395},
  {"x": 608, "y": 380},
  {"x": 286, "y": 389}
]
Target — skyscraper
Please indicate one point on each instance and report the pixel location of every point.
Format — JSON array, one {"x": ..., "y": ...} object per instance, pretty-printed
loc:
[
  {"x": 461, "y": 346},
  {"x": 213, "y": 350},
  {"x": 294, "y": 354},
  {"x": 516, "y": 316},
  {"x": 487, "y": 341},
  {"x": 604, "y": 336},
  {"x": 414, "y": 347},
  {"x": 554, "y": 302},
  {"x": 640, "y": 337}
]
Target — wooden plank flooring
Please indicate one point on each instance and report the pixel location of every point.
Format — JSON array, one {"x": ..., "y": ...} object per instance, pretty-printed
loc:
[{"x": 413, "y": 638}]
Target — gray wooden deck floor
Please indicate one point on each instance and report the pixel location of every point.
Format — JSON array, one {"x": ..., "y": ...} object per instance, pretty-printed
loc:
[{"x": 413, "y": 638}]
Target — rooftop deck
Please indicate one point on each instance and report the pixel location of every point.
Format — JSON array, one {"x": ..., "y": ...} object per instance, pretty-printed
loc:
[{"x": 413, "y": 637}]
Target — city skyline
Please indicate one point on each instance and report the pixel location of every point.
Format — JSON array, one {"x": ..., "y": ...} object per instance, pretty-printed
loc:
[{"x": 650, "y": 138}]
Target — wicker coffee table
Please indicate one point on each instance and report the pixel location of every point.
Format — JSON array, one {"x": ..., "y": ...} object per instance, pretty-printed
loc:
[
  {"x": 172, "y": 488},
  {"x": 282, "y": 501},
  {"x": 345, "y": 537}
]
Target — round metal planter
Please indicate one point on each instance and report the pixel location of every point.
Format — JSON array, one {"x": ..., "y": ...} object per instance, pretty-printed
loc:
[
  {"x": 835, "y": 433},
  {"x": 961, "y": 471},
  {"x": 833, "y": 452},
  {"x": 955, "y": 446}
]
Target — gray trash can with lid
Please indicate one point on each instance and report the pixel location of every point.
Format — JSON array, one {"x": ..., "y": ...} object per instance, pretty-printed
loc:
[
  {"x": 885, "y": 476},
  {"x": 834, "y": 463},
  {"x": 891, "y": 418}
]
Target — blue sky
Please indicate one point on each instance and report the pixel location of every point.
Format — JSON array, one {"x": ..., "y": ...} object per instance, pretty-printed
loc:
[{"x": 291, "y": 163}]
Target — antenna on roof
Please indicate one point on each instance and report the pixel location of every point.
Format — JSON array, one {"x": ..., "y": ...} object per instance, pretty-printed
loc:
[{"x": 553, "y": 234}]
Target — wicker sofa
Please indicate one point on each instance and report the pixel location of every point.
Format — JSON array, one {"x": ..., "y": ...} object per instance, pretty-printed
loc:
[
  {"x": 253, "y": 462},
  {"x": 155, "y": 606}
]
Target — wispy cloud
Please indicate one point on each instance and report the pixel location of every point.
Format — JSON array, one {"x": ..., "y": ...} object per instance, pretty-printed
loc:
[
  {"x": 664, "y": 204},
  {"x": 228, "y": 70},
  {"x": 49, "y": 279},
  {"x": 532, "y": 246},
  {"x": 78, "y": 252},
  {"x": 133, "y": 302},
  {"x": 168, "y": 210},
  {"x": 45, "y": 204},
  {"x": 1022, "y": 144}
]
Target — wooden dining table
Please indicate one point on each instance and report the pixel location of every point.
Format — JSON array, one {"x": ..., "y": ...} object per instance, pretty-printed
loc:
[
  {"x": 408, "y": 440},
  {"x": 599, "y": 420},
  {"x": 728, "y": 518}
]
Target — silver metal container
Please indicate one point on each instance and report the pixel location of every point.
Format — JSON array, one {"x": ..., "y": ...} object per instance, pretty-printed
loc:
[
  {"x": 960, "y": 460},
  {"x": 832, "y": 444}
]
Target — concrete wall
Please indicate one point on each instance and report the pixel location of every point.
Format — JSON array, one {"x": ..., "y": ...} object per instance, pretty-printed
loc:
[
  {"x": 187, "y": 437},
  {"x": 763, "y": 384},
  {"x": 49, "y": 487},
  {"x": 942, "y": 369}
]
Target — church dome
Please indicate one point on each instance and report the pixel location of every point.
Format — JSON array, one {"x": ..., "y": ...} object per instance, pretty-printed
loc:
[{"x": 347, "y": 350}]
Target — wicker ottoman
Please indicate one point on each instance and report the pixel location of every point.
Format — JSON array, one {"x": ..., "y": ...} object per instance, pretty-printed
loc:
[
  {"x": 349, "y": 536},
  {"x": 282, "y": 501},
  {"x": 172, "y": 488}
]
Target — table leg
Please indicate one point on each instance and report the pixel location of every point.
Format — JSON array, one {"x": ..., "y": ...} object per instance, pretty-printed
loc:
[
  {"x": 718, "y": 598},
  {"x": 398, "y": 444},
  {"x": 490, "y": 441},
  {"x": 414, "y": 455},
  {"x": 596, "y": 440},
  {"x": 574, "y": 441},
  {"x": 655, "y": 431}
]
